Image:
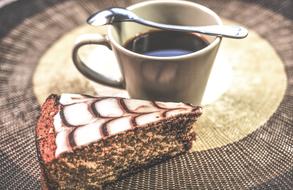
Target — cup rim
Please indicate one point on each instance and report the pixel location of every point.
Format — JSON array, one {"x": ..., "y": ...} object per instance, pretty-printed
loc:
[{"x": 189, "y": 55}]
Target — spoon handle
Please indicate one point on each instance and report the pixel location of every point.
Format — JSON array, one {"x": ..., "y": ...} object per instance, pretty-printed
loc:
[{"x": 236, "y": 32}]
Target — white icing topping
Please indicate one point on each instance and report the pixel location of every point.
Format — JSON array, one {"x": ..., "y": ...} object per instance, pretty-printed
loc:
[
  {"x": 148, "y": 118},
  {"x": 176, "y": 112},
  {"x": 109, "y": 107},
  {"x": 140, "y": 106},
  {"x": 82, "y": 120},
  {"x": 78, "y": 114},
  {"x": 172, "y": 105},
  {"x": 119, "y": 125},
  {"x": 62, "y": 142},
  {"x": 58, "y": 123},
  {"x": 88, "y": 133},
  {"x": 66, "y": 99}
]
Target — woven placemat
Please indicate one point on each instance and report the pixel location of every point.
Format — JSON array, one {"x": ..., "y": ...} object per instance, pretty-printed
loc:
[{"x": 261, "y": 160}]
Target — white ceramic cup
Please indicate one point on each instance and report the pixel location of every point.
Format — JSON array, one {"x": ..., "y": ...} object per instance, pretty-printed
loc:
[{"x": 178, "y": 78}]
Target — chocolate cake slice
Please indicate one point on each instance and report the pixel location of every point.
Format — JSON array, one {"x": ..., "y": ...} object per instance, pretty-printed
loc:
[{"x": 85, "y": 142}]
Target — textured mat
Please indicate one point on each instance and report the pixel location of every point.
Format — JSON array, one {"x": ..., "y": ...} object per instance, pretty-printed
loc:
[{"x": 262, "y": 159}]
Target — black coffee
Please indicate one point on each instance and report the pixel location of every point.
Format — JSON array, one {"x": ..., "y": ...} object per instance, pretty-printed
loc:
[{"x": 166, "y": 43}]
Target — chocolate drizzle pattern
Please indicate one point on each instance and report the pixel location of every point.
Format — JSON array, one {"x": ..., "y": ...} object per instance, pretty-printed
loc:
[{"x": 85, "y": 119}]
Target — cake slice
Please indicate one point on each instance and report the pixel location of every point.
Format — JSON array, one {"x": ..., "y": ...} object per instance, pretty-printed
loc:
[{"x": 85, "y": 142}]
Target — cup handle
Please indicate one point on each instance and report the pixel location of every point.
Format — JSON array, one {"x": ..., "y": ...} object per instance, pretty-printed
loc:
[{"x": 89, "y": 39}]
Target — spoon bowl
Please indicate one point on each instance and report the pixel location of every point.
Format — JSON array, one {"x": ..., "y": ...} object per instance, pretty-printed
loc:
[{"x": 110, "y": 16}]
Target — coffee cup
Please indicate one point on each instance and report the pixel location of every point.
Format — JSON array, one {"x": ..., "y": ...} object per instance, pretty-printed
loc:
[{"x": 164, "y": 71}]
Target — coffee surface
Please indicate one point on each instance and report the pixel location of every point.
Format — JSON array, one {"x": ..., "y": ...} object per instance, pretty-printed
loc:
[{"x": 166, "y": 43}]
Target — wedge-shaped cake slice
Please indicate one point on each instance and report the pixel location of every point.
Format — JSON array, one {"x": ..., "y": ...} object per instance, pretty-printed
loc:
[{"x": 85, "y": 142}]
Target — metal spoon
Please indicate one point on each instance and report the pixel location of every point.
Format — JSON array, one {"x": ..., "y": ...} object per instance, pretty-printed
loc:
[{"x": 115, "y": 14}]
